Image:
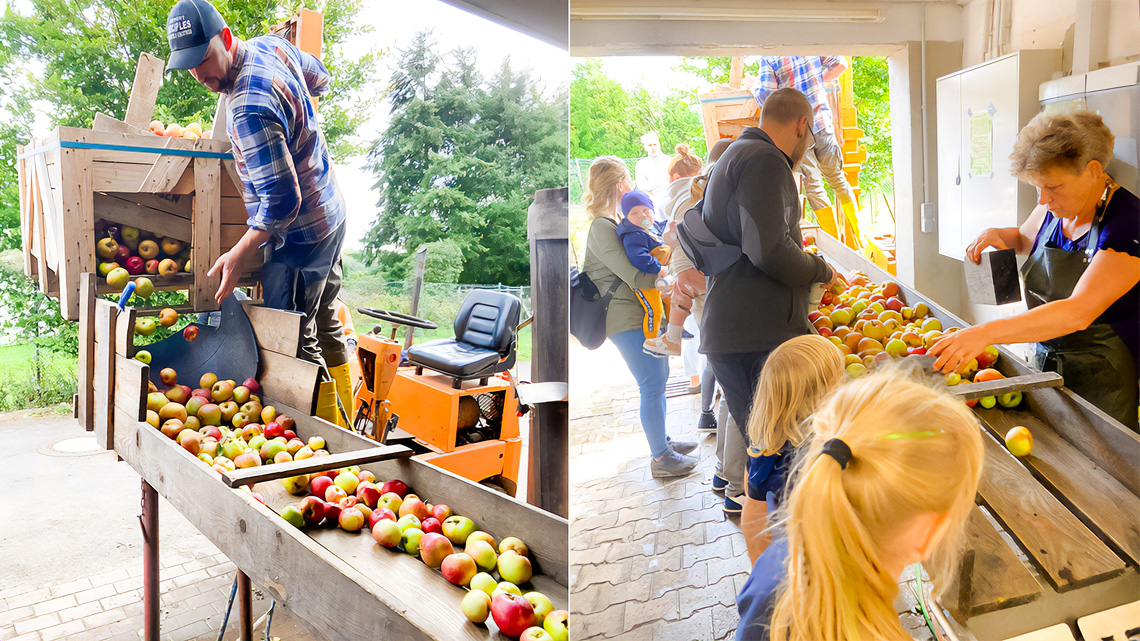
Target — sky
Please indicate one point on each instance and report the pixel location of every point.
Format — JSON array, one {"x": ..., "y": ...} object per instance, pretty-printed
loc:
[{"x": 394, "y": 28}]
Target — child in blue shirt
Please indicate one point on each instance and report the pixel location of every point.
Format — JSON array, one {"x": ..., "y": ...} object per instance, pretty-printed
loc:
[{"x": 645, "y": 250}]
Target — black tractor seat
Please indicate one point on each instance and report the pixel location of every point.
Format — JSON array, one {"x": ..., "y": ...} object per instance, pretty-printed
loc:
[{"x": 485, "y": 340}]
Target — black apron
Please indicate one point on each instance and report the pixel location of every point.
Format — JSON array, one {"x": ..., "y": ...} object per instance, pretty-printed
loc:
[{"x": 1095, "y": 362}]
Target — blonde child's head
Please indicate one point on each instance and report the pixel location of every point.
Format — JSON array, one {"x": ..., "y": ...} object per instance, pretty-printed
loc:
[
  {"x": 796, "y": 377},
  {"x": 888, "y": 480},
  {"x": 608, "y": 180}
]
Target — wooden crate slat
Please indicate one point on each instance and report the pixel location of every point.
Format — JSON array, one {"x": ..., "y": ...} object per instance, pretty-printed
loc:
[
  {"x": 1099, "y": 500},
  {"x": 131, "y": 387},
  {"x": 47, "y": 215},
  {"x": 276, "y": 330},
  {"x": 144, "y": 90},
  {"x": 178, "y": 205},
  {"x": 312, "y": 465},
  {"x": 86, "y": 366},
  {"x": 104, "y": 379},
  {"x": 125, "y": 332},
  {"x": 1025, "y": 382},
  {"x": 164, "y": 174},
  {"x": 292, "y": 380},
  {"x": 221, "y": 115},
  {"x": 1067, "y": 552},
  {"x": 997, "y": 580},
  {"x": 206, "y": 230},
  {"x": 26, "y": 220},
  {"x": 103, "y": 122},
  {"x": 77, "y": 212},
  {"x": 118, "y": 176},
  {"x": 127, "y": 213}
]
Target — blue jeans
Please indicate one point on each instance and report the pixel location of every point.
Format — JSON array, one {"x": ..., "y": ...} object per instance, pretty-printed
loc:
[{"x": 651, "y": 373}]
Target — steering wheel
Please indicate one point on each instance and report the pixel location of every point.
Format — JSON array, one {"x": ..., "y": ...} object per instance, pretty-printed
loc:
[{"x": 397, "y": 318}]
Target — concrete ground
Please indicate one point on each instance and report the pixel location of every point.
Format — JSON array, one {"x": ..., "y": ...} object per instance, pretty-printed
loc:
[
  {"x": 651, "y": 558},
  {"x": 71, "y": 566}
]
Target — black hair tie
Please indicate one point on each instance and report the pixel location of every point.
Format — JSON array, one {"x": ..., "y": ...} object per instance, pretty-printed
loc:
[{"x": 839, "y": 451}]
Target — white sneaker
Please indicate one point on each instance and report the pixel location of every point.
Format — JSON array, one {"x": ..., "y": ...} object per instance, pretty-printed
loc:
[{"x": 661, "y": 346}]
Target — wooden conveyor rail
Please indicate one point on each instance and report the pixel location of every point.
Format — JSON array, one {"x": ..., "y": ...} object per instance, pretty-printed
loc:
[{"x": 1072, "y": 507}]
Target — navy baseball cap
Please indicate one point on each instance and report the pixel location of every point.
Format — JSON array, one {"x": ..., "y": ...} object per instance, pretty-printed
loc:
[{"x": 189, "y": 27}]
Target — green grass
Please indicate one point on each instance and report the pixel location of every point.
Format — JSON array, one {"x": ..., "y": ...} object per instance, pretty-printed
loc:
[{"x": 28, "y": 380}]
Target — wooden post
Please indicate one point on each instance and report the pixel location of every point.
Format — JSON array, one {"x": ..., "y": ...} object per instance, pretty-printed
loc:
[
  {"x": 149, "y": 522},
  {"x": 245, "y": 607},
  {"x": 144, "y": 91},
  {"x": 417, "y": 285},
  {"x": 549, "y": 238},
  {"x": 736, "y": 72},
  {"x": 85, "y": 406}
]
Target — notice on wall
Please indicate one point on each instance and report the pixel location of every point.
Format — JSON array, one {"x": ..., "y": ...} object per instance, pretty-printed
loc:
[{"x": 981, "y": 144}]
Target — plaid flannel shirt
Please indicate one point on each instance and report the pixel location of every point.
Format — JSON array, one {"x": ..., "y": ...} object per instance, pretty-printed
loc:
[
  {"x": 278, "y": 148},
  {"x": 799, "y": 72}
]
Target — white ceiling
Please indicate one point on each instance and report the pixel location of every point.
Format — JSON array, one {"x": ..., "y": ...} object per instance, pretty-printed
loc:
[{"x": 546, "y": 20}]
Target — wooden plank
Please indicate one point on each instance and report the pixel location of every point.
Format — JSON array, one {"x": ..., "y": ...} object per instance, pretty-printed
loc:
[
  {"x": 113, "y": 176},
  {"x": 232, "y": 186},
  {"x": 174, "y": 204},
  {"x": 146, "y": 139},
  {"x": 76, "y": 229},
  {"x": 500, "y": 515},
  {"x": 26, "y": 225},
  {"x": 997, "y": 578},
  {"x": 103, "y": 122},
  {"x": 165, "y": 174},
  {"x": 312, "y": 465},
  {"x": 1100, "y": 501},
  {"x": 292, "y": 567},
  {"x": 292, "y": 380},
  {"x": 128, "y": 213},
  {"x": 231, "y": 234},
  {"x": 131, "y": 386},
  {"x": 1068, "y": 554},
  {"x": 103, "y": 382},
  {"x": 144, "y": 91},
  {"x": 1116, "y": 624},
  {"x": 1038, "y": 380},
  {"x": 47, "y": 216},
  {"x": 40, "y": 244},
  {"x": 276, "y": 330},
  {"x": 221, "y": 116},
  {"x": 85, "y": 370},
  {"x": 206, "y": 232},
  {"x": 125, "y": 332}
]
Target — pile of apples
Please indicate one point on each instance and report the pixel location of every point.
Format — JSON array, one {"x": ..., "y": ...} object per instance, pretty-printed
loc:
[
  {"x": 127, "y": 251},
  {"x": 209, "y": 423},
  {"x": 871, "y": 322},
  {"x": 349, "y": 498},
  {"x": 192, "y": 131}
]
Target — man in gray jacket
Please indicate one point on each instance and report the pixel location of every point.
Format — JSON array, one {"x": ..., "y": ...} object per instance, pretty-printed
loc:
[{"x": 762, "y": 299}]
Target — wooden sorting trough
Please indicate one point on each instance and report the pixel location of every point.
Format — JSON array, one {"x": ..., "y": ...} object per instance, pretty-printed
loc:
[
  {"x": 342, "y": 585},
  {"x": 1056, "y": 534},
  {"x": 73, "y": 178}
]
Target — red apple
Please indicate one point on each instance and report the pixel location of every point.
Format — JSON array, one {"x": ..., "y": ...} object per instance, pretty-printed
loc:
[
  {"x": 368, "y": 494},
  {"x": 135, "y": 265},
  {"x": 168, "y": 376},
  {"x": 512, "y": 613},
  {"x": 290, "y": 435},
  {"x": 441, "y": 512},
  {"x": 351, "y": 519},
  {"x": 399, "y": 487},
  {"x": 458, "y": 568},
  {"x": 273, "y": 430},
  {"x": 434, "y": 548},
  {"x": 190, "y": 333},
  {"x": 332, "y": 514},
  {"x": 252, "y": 385},
  {"x": 381, "y": 514},
  {"x": 414, "y": 506},
  {"x": 313, "y": 509},
  {"x": 319, "y": 484},
  {"x": 431, "y": 524},
  {"x": 386, "y": 532}
]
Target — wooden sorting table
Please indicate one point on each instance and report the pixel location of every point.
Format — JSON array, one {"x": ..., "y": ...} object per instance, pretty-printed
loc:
[
  {"x": 344, "y": 586},
  {"x": 1056, "y": 534}
]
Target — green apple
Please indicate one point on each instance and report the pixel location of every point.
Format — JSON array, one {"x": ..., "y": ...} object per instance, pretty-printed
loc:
[
  {"x": 1012, "y": 399},
  {"x": 483, "y": 554},
  {"x": 118, "y": 278},
  {"x": 107, "y": 248},
  {"x": 988, "y": 402},
  {"x": 232, "y": 448},
  {"x": 347, "y": 481},
  {"x": 256, "y": 442},
  {"x": 144, "y": 287},
  {"x": 105, "y": 268},
  {"x": 483, "y": 581},
  {"x": 293, "y": 516},
  {"x": 387, "y": 533},
  {"x": 557, "y": 623},
  {"x": 143, "y": 356},
  {"x": 410, "y": 540},
  {"x": 458, "y": 528},
  {"x": 542, "y": 605},
  {"x": 409, "y": 521},
  {"x": 506, "y": 586},
  {"x": 514, "y": 567},
  {"x": 476, "y": 606},
  {"x": 390, "y": 500},
  {"x": 145, "y": 326},
  {"x": 512, "y": 543}
]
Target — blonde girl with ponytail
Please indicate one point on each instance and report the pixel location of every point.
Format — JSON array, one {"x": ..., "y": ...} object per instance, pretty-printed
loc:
[
  {"x": 795, "y": 379},
  {"x": 888, "y": 480}
]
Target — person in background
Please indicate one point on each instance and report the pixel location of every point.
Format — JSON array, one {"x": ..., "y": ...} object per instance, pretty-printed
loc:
[
  {"x": 604, "y": 261},
  {"x": 294, "y": 204},
  {"x": 811, "y": 75},
  {"x": 797, "y": 377},
  {"x": 762, "y": 299},
  {"x": 645, "y": 251},
  {"x": 888, "y": 480},
  {"x": 653, "y": 171},
  {"x": 1082, "y": 278}
]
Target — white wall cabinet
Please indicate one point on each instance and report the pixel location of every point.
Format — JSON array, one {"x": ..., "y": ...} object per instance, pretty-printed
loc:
[{"x": 980, "y": 110}]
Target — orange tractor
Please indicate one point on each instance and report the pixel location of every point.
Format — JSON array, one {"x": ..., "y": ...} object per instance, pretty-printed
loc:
[{"x": 451, "y": 400}]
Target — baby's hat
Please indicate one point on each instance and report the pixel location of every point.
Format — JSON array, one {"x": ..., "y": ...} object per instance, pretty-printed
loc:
[{"x": 633, "y": 199}]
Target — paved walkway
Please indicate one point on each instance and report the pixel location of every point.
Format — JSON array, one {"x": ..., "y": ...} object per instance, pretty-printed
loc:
[
  {"x": 651, "y": 559},
  {"x": 71, "y": 566}
]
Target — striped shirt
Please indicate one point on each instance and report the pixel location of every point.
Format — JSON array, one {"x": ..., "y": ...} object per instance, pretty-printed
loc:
[
  {"x": 799, "y": 72},
  {"x": 281, "y": 156}
]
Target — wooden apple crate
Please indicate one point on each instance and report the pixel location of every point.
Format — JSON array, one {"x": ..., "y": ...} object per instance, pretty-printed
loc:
[
  {"x": 1056, "y": 534},
  {"x": 119, "y": 172},
  {"x": 342, "y": 585}
]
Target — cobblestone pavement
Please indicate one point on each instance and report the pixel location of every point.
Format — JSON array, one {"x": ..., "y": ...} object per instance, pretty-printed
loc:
[{"x": 651, "y": 558}]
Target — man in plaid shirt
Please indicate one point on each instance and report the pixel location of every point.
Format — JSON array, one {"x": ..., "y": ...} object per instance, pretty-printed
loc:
[
  {"x": 810, "y": 75},
  {"x": 291, "y": 195}
]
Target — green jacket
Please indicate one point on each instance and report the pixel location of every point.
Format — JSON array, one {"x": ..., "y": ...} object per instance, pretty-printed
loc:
[{"x": 604, "y": 261}]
